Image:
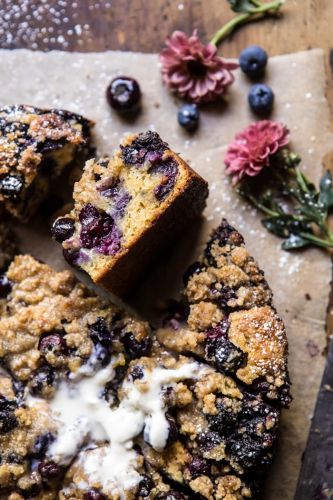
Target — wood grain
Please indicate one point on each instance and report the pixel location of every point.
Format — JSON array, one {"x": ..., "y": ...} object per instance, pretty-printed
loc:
[{"x": 142, "y": 25}]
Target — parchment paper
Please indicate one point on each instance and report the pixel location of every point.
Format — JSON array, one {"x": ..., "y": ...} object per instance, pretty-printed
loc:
[{"x": 78, "y": 82}]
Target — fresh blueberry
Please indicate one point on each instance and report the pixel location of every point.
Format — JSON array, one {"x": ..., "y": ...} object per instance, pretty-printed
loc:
[
  {"x": 188, "y": 117},
  {"x": 253, "y": 60},
  {"x": 261, "y": 99},
  {"x": 63, "y": 229},
  {"x": 123, "y": 94}
]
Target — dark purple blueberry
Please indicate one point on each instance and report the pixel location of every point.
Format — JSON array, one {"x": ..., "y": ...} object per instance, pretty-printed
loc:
[
  {"x": 41, "y": 379},
  {"x": 94, "y": 494},
  {"x": 136, "y": 348},
  {"x": 33, "y": 490},
  {"x": 246, "y": 451},
  {"x": 142, "y": 146},
  {"x": 103, "y": 354},
  {"x": 11, "y": 185},
  {"x": 88, "y": 214},
  {"x": 5, "y": 286},
  {"x": 63, "y": 229},
  {"x": 71, "y": 256},
  {"x": 261, "y": 99},
  {"x": 177, "y": 313},
  {"x": 169, "y": 169},
  {"x": 8, "y": 420},
  {"x": 188, "y": 116},
  {"x": 225, "y": 419},
  {"x": 52, "y": 341},
  {"x": 19, "y": 387},
  {"x": 221, "y": 330},
  {"x": 123, "y": 94},
  {"x": 195, "y": 268},
  {"x": 208, "y": 440},
  {"x": 223, "y": 295},
  {"x": 225, "y": 355},
  {"x": 172, "y": 495},
  {"x": 198, "y": 467},
  {"x": 14, "y": 458},
  {"x": 137, "y": 373},
  {"x": 120, "y": 202},
  {"x": 145, "y": 486},
  {"x": 100, "y": 333},
  {"x": 173, "y": 430},
  {"x": 49, "y": 470},
  {"x": 99, "y": 231},
  {"x": 41, "y": 445},
  {"x": 222, "y": 235},
  {"x": 253, "y": 60},
  {"x": 111, "y": 243}
]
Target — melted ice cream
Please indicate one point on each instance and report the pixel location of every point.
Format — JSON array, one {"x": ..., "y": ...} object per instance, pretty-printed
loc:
[{"x": 84, "y": 417}]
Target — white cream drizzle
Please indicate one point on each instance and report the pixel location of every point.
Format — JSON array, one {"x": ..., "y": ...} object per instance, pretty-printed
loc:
[{"x": 84, "y": 418}]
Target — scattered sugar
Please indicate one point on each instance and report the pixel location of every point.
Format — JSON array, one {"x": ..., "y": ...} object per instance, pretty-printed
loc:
[
  {"x": 180, "y": 6},
  {"x": 287, "y": 105},
  {"x": 308, "y": 95},
  {"x": 290, "y": 262},
  {"x": 36, "y": 24}
]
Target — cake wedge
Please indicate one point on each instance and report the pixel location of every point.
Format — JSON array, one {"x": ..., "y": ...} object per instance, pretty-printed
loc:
[
  {"x": 127, "y": 209},
  {"x": 36, "y": 145}
]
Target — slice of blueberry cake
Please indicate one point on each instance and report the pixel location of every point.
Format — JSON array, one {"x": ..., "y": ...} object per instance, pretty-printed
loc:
[
  {"x": 93, "y": 407},
  {"x": 227, "y": 318},
  {"x": 127, "y": 209},
  {"x": 35, "y": 147}
]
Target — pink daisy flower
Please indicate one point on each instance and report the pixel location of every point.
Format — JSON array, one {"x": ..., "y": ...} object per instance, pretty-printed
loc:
[
  {"x": 193, "y": 70},
  {"x": 252, "y": 149}
]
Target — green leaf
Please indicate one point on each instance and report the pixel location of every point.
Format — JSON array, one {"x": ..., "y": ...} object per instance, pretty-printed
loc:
[
  {"x": 243, "y": 6},
  {"x": 284, "y": 225},
  {"x": 326, "y": 190},
  {"x": 294, "y": 241}
]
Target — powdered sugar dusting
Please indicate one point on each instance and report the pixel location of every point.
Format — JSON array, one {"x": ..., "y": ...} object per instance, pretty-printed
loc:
[{"x": 46, "y": 24}]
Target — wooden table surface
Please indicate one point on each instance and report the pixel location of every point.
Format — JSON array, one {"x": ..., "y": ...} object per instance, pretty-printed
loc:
[{"x": 142, "y": 25}]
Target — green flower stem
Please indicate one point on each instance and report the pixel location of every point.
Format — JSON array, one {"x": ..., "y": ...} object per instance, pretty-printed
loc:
[
  {"x": 257, "y": 12},
  {"x": 318, "y": 241},
  {"x": 228, "y": 28}
]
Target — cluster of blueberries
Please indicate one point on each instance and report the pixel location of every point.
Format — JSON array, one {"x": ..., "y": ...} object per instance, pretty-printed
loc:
[{"x": 124, "y": 94}]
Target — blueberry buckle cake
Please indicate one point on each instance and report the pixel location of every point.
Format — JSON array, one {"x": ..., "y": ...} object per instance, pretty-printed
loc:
[
  {"x": 226, "y": 318},
  {"x": 35, "y": 147},
  {"x": 127, "y": 209},
  {"x": 94, "y": 405}
]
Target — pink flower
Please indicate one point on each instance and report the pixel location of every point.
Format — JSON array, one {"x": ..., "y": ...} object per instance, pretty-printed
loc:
[
  {"x": 252, "y": 149},
  {"x": 194, "y": 70}
]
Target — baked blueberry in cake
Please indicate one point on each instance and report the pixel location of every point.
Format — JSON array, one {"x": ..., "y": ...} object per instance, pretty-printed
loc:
[
  {"x": 227, "y": 318},
  {"x": 92, "y": 406},
  {"x": 127, "y": 209},
  {"x": 35, "y": 147}
]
